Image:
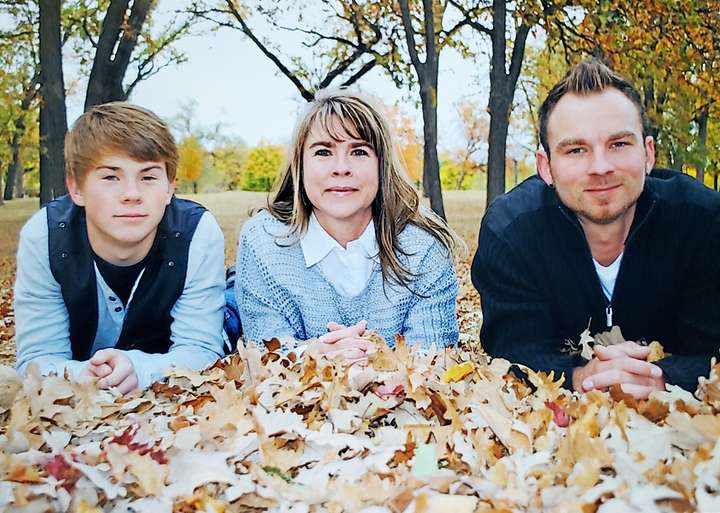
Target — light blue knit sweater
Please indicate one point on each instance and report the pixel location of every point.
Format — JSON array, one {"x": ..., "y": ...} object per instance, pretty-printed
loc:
[{"x": 278, "y": 296}]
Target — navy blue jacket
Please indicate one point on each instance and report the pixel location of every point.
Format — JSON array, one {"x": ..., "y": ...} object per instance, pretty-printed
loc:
[{"x": 538, "y": 285}]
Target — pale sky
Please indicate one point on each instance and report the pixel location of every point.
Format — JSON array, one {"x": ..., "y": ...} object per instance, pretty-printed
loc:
[{"x": 233, "y": 83}]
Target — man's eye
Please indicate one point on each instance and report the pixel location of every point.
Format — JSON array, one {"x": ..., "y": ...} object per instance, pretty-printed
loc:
[
  {"x": 619, "y": 144},
  {"x": 576, "y": 151}
]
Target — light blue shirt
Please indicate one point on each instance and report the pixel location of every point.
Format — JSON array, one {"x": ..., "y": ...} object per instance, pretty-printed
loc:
[
  {"x": 42, "y": 326},
  {"x": 279, "y": 296}
]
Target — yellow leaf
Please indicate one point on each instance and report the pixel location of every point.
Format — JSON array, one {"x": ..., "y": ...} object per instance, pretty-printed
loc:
[{"x": 457, "y": 372}]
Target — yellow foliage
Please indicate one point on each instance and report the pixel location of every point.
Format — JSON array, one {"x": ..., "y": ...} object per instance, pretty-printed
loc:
[
  {"x": 191, "y": 156},
  {"x": 458, "y": 372}
]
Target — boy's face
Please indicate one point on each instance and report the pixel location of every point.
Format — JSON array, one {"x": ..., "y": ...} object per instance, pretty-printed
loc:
[{"x": 124, "y": 202}]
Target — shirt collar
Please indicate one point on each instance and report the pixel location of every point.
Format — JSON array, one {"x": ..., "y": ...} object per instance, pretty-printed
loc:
[{"x": 316, "y": 243}]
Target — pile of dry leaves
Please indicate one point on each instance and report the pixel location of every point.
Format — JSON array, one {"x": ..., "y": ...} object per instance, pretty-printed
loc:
[{"x": 264, "y": 430}]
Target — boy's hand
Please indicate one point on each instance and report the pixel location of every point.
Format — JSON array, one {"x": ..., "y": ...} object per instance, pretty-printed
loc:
[{"x": 114, "y": 369}]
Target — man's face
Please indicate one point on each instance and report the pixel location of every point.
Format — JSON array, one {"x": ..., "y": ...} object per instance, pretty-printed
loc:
[
  {"x": 598, "y": 156},
  {"x": 124, "y": 202}
]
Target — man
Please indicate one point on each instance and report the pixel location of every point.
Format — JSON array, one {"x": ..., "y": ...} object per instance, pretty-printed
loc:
[
  {"x": 119, "y": 280},
  {"x": 600, "y": 239}
]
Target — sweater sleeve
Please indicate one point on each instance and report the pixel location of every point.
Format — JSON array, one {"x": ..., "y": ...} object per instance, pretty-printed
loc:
[
  {"x": 698, "y": 322},
  {"x": 262, "y": 305},
  {"x": 517, "y": 320},
  {"x": 432, "y": 317}
]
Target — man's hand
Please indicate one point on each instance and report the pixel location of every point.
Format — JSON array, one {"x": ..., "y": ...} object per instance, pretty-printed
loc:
[
  {"x": 113, "y": 368},
  {"x": 345, "y": 341},
  {"x": 621, "y": 364}
]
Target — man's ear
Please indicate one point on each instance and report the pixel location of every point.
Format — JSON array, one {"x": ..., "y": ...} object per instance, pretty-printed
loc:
[
  {"x": 75, "y": 190},
  {"x": 542, "y": 163},
  {"x": 649, "y": 154}
]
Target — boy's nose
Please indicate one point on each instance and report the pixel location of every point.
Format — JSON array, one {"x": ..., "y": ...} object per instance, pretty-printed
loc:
[{"x": 131, "y": 192}]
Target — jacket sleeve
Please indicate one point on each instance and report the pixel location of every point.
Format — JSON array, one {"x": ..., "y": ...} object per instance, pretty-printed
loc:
[
  {"x": 42, "y": 329},
  {"x": 196, "y": 329},
  {"x": 262, "y": 305},
  {"x": 432, "y": 317},
  {"x": 517, "y": 320},
  {"x": 698, "y": 321}
]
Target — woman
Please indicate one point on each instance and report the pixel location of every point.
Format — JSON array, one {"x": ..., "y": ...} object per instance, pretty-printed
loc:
[{"x": 343, "y": 245}]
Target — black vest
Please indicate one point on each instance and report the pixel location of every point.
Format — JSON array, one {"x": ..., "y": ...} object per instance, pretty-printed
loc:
[{"x": 147, "y": 320}]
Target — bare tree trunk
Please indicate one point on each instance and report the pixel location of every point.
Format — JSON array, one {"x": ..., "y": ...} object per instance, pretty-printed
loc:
[
  {"x": 53, "y": 118},
  {"x": 502, "y": 90},
  {"x": 702, "y": 121},
  {"x": 117, "y": 41},
  {"x": 427, "y": 73},
  {"x": 15, "y": 168},
  {"x": 431, "y": 163}
]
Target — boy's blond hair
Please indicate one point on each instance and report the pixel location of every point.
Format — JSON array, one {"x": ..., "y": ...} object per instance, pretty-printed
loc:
[{"x": 118, "y": 127}]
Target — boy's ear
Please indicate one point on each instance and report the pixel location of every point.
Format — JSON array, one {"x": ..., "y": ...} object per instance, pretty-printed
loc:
[
  {"x": 75, "y": 190},
  {"x": 171, "y": 190}
]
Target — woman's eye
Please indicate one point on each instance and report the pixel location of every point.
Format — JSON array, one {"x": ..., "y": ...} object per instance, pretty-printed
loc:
[
  {"x": 360, "y": 151},
  {"x": 322, "y": 152}
]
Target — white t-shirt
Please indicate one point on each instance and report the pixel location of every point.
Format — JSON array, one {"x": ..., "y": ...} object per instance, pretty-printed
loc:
[
  {"x": 608, "y": 275},
  {"x": 347, "y": 269}
]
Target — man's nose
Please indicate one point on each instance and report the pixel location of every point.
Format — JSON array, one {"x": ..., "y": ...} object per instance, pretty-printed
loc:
[{"x": 601, "y": 164}]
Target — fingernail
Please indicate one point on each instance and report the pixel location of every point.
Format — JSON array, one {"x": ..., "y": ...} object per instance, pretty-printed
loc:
[
  {"x": 588, "y": 384},
  {"x": 322, "y": 338},
  {"x": 656, "y": 372}
]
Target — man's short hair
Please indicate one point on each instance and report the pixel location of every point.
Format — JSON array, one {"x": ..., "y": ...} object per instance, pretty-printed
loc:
[
  {"x": 118, "y": 128},
  {"x": 590, "y": 76}
]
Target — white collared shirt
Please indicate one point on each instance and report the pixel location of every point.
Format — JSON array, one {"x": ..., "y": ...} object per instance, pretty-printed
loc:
[{"x": 347, "y": 269}]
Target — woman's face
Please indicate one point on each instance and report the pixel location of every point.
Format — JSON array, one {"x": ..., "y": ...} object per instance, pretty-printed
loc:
[{"x": 340, "y": 177}]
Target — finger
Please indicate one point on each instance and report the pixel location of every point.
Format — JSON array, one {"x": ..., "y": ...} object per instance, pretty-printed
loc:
[
  {"x": 344, "y": 344},
  {"x": 608, "y": 378},
  {"x": 630, "y": 349},
  {"x": 128, "y": 384},
  {"x": 639, "y": 391},
  {"x": 641, "y": 368},
  {"x": 334, "y": 326},
  {"x": 349, "y": 332},
  {"x": 101, "y": 370},
  {"x": 102, "y": 356},
  {"x": 117, "y": 376}
]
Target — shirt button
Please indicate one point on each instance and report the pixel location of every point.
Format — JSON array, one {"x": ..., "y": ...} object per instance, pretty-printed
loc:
[
  {"x": 112, "y": 298},
  {"x": 62, "y": 224},
  {"x": 171, "y": 263},
  {"x": 118, "y": 308},
  {"x": 177, "y": 235},
  {"x": 63, "y": 255}
]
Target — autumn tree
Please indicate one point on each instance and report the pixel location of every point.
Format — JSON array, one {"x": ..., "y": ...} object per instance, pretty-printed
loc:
[
  {"x": 262, "y": 167},
  {"x": 671, "y": 52},
  {"x": 191, "y": 158}
]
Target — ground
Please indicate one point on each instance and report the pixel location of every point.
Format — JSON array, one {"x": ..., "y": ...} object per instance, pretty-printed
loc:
[{"x": 464, "y": 210}]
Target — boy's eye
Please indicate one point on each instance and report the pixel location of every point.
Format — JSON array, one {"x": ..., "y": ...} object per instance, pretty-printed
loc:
[
  {"x": 149, "y": 178},
  {"x": 110, "y": 178}
]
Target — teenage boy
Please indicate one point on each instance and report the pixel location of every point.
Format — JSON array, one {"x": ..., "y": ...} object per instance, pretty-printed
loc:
[
  {"x": 602, "y": 238},
  {"x": 119, "y": 280}
]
